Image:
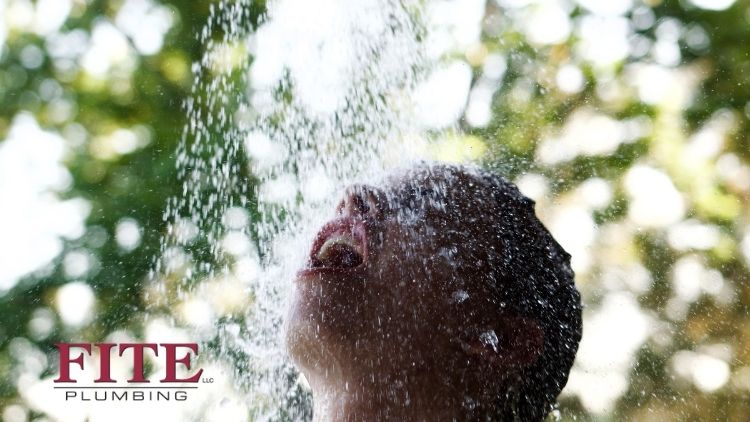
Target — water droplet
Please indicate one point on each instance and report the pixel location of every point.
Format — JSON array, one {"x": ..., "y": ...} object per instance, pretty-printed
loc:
[
  {"x": 489, "y": 338},
  {"x": 460, "y": 296}
]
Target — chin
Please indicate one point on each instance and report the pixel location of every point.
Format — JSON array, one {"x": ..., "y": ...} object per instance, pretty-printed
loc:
[
  {"x": 322, "y": 318},
  {"x": 300, "y": 339}
]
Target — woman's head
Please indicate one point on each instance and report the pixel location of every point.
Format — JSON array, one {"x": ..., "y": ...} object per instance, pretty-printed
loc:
[{"x": 444, "y": 274}]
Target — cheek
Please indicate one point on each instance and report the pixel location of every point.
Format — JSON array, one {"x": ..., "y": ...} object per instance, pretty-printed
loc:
[
  {"x": 416, "y": 279},
  {"x": 400, "y": 277}
]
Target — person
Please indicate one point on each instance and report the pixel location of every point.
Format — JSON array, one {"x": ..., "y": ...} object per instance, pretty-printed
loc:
[{"x": 436, "y": 296}]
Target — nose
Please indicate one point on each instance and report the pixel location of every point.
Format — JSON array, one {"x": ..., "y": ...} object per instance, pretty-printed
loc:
[{"x": 362, "y": 201}]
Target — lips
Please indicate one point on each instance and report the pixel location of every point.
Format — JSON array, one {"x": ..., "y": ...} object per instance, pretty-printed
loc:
[{"x": 340, "y": 245}]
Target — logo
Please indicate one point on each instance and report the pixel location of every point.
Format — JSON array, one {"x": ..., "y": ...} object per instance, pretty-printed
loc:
[{"x": 176, "y": 357}]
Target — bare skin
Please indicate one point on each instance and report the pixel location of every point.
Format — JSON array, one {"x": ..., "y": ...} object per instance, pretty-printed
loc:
[{"x": 392, "y": 318}]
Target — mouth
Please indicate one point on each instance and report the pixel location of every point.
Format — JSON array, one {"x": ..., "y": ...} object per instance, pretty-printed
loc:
[{"x": 340, "y": 245}]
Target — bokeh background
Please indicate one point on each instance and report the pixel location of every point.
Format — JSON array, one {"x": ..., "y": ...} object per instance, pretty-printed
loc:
[{"x": 627, "y": 121}]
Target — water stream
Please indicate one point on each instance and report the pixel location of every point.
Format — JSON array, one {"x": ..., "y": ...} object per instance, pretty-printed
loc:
[{"x": 285, "y": 112}]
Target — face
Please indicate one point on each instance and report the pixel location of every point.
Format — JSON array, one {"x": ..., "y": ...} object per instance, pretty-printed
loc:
[{"x": 398, "y": 279}]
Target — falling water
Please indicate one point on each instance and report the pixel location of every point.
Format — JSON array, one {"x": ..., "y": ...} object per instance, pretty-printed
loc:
[{"x": 286, "y": 109}]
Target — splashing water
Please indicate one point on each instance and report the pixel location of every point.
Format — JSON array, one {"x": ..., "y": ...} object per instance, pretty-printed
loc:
[{"x": 285, "y": 110}]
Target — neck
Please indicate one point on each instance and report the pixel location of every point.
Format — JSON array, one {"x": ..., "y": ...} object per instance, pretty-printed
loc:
[
  {"x": 392, "y": 399},
  {"x": 404, "y": 397}
]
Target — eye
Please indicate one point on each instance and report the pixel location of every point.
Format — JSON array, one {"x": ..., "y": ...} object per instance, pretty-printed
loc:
[{"x": 362, "y": 203}]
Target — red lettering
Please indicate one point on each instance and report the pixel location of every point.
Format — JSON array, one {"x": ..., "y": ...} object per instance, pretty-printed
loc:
[
  {"x": 138, "y": 348},
  {"x": 172, "y": 361},
  {"x": 171, "y": 357},
  {"x": 65, "y": 360},
  {"x": 104, "y": 362}
]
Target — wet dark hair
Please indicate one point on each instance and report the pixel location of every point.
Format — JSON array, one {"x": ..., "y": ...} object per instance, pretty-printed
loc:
[{"x": 530, "y": 275}]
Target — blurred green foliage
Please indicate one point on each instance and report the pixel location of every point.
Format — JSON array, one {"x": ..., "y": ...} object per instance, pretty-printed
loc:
[{"x": 148, "y": 96}]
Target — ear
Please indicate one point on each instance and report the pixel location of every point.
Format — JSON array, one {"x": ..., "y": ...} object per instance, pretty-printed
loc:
[{"x": 513, "y": 342}]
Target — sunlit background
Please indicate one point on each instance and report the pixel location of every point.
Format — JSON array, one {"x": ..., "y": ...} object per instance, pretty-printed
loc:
[{"x": 627, "y": 121}]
